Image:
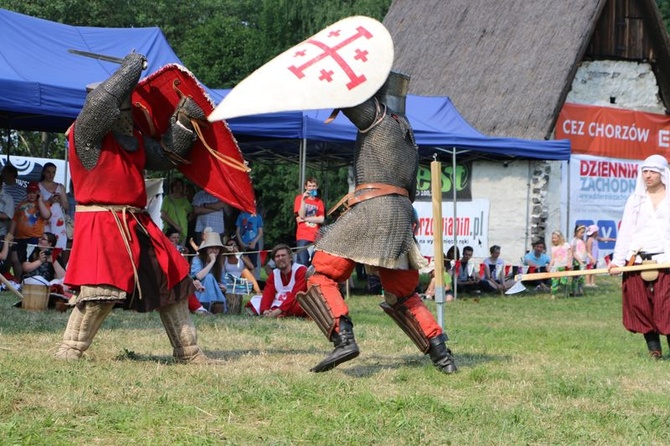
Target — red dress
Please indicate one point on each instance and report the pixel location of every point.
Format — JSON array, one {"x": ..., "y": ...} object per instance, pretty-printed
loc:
[{"x": 99, "y": 255}]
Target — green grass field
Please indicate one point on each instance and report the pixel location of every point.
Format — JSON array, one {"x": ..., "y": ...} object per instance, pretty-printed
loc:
[{"x": 532, "y": 371}]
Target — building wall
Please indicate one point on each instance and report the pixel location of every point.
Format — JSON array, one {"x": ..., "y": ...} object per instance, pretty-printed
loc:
[
  {"x": 525, "y": 196},
  {"x": 506, "y": 188},
  {"x": 610, "y": 83}
]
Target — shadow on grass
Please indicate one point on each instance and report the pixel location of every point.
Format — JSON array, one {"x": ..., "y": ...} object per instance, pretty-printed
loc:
[
  {"x": 226, "y": 356},
  {"x": 375, "y": 364}
]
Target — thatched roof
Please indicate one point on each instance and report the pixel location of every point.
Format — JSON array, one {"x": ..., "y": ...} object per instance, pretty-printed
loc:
[{"x": 507, "y": 65}]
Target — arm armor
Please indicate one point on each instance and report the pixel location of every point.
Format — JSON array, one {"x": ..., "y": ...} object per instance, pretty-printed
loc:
[
  {"x": 102, "y": 109},
  {"x": 177, "y": 140},
  {"x": 364, "y": 115},
  {"x": 370, "y": 114}
]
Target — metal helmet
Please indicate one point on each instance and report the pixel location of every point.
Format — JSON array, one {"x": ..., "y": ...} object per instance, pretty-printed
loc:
[{"x": 394, "y": 92}]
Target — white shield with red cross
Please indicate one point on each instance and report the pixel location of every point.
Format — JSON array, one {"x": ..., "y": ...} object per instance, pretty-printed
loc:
[{"x": 341, "y": 66}]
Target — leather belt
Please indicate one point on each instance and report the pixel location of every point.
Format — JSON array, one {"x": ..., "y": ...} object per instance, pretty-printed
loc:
[{"x": 370, "y": 190}]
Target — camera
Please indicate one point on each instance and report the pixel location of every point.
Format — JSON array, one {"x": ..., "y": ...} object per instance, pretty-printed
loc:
[
  {"x": 313, "y": 192},
  {"x": 47, "y": 252}
]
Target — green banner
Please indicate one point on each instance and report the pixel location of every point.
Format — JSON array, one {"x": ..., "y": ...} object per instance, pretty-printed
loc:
[{"x": 460, "y": 180}]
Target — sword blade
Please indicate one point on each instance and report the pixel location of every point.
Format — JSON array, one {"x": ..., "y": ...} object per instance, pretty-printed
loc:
[{"x": 96, "y": 56}]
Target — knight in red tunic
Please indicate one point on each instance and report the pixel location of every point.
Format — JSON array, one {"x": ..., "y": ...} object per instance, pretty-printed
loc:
[{"x": 118, "y": 254}]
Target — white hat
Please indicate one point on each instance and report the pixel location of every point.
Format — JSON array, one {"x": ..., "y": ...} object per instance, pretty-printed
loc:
[
  {"x": 210, "y": 239},
  {"x": 655, "y": 163},
  {"x": 592, "y": 229}
]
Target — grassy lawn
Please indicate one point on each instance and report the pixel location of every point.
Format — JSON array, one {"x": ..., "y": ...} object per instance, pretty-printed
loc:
[{"x": 532, "y": 371}]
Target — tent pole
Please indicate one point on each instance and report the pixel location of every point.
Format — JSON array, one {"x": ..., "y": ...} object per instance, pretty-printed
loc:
[
  {"x": 67, "y": 170},
  {"x": 9, "y": 143},
  {"x": 303, "y": 154},
  {"x": 303, "y": 162},
  {"x": 453, "y": 197},
  {"x": 528, "y": 223},
  {"x": 567, "y": 217}
]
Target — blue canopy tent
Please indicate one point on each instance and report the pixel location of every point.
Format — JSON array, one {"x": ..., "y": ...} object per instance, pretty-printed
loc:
[
  {"x": 437, "y": 125},
  {"x": 43, "y": 88}
]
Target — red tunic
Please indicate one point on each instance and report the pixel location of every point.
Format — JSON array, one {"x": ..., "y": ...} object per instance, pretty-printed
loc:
[
  {"x": 99, "y": 255},
  {"x": 289, "y": 306}
]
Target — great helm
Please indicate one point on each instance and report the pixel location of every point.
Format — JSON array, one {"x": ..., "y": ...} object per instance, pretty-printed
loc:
[{"x": 394, "y": 92}]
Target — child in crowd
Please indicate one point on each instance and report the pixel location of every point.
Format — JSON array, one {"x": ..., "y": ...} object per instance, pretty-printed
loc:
[
  {"x": 194, "y": 305},
  {"x": 592, "y": 239},
  {"x": 28, "y": 223},
  {"x": 561, "y": 259},
  {"x": 429, "y": 293},
  {"x": 579, "y": 259}
]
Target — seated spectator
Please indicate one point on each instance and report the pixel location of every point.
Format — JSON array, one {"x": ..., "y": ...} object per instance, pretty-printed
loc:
[
  {"x": 451, "y": 257},
  {"x": 194, "y": 305},
  {"x": 30, "y": 218},
  {"x": 238, "y": 266},
  {"x": 495, "y": 279},
  {"x": 207, "y": 267},
  {"x": 287, "y": 279},
  {"x": 6, "y": 210},
  {"x": 429, "y": 293},
  {"x": 4, "y": 251},
  {"x": 42, "y": 267},
  {"x": 537, "y": 261},
  {"x": 467, "y": 276},
  {"x": 5, "y": 263},
  {"x": 174, "y": 236}
]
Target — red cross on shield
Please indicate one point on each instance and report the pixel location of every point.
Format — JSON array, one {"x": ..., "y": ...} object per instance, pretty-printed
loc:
[{"x": 340, "y": 66}]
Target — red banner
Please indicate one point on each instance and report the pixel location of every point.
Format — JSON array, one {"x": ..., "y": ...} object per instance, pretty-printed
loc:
[{"x": 614, "y": 132}]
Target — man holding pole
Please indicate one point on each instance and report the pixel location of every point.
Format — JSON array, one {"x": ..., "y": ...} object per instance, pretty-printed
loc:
[{"x": 644, "y": 237}]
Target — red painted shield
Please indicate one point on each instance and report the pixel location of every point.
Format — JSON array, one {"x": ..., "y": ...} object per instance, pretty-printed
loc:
[{"x": 216, "y": 163}]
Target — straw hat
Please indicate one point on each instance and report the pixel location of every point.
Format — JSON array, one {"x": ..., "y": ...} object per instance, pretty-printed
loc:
[{"x": 210, "y": 239}]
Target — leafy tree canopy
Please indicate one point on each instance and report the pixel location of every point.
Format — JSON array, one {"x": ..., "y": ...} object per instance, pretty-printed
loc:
[{"x": 221, "y": 42}]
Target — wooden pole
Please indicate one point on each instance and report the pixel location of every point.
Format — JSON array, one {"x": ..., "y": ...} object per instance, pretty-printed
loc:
[
  {"x": 588, "y": 272},
  {"x": 438, "y": 242}
]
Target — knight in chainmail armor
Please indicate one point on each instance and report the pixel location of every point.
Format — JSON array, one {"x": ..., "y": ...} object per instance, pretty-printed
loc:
[
  {"x": 375, "y": 230},
  {"x": 119, "y": 256}
]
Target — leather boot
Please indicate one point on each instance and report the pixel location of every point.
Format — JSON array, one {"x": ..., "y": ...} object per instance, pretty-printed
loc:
[
  {"x": 82, "y": 327},
  {"x": 653, "y": 340},
  {"x": 345, "y": 347},
  {"x": 181, "y": 331},
  {"x": 441, "y": 355}
]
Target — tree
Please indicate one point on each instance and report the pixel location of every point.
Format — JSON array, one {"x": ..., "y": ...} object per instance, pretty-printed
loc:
[{"x": 221, "y": 42}]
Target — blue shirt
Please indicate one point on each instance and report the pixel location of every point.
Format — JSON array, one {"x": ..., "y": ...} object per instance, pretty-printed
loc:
[
  {"x": 248, "y": 225},
  {"x": 530, "y": 259}
]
